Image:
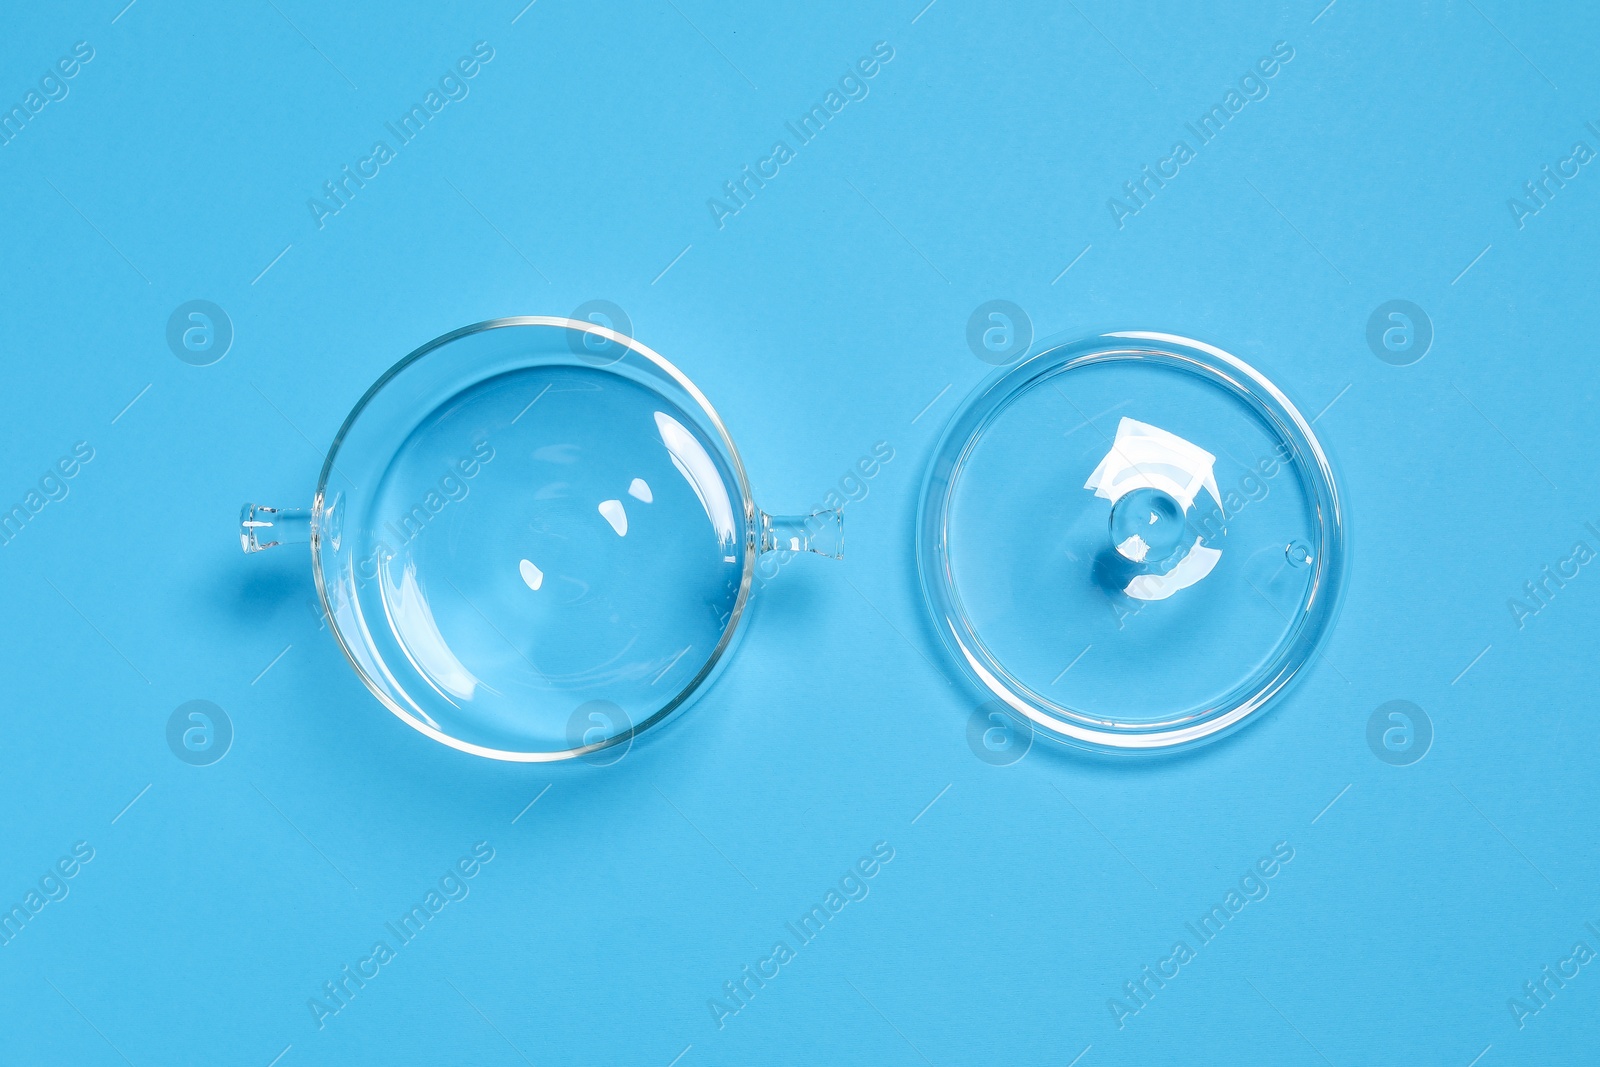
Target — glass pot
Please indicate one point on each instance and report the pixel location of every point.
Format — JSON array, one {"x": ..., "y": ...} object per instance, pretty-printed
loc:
[{"x": 534, "y": 539}]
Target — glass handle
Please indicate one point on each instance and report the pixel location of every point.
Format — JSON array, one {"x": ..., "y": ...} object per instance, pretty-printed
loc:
[
  {"x": 821, "y": 532},
  {"x": 261, "y": 527}
]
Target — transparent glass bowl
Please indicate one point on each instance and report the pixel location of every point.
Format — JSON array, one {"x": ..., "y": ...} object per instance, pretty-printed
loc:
[
  {"x": 534, "y": 539},
  {"x": 1134, "y": 542}
]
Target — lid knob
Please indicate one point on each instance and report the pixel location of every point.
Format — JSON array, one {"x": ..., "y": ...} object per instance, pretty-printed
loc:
[{"x": 1147, "y": 526}]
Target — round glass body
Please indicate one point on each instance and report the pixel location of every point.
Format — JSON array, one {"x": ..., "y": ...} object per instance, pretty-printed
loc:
[
  {"x": 1133, "y": 541},
  {"x": 535, "y": 538}
]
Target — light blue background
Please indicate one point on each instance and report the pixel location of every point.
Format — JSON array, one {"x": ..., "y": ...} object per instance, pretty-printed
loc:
[{"x": 822, "y": 319}]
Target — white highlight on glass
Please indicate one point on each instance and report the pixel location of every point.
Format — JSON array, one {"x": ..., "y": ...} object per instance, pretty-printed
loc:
[
  {"x": 412, "y": 619},
  {"x": 1200, "y": 562},
  {"x": 1148, "y": 457},
  {"x": 1134, "y": 548},
  {"x": 639, "y": 489},
  {"x": 614, "y": 514},
  {"x": 700, "y": 471},
  {"x": 533, "y": 576}
]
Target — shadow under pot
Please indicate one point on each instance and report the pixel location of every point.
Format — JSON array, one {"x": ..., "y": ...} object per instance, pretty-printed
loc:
[
  {"x": 534, "y": 539},
  {"x": 1133, "y": 543}
]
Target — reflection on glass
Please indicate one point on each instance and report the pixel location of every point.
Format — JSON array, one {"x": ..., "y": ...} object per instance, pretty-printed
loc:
[
  {"x": 702, "y": 475},
  {"x": 1145, "y": 456},
  {"x": 1151, "y": 477},
  {"x": 616, "y": 515},
  {"x": 412, "y": 618}
]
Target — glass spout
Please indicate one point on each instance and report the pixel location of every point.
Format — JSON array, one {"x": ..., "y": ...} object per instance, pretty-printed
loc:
[
  {"x": 261, "y": 527},
  {"x": 821, "y": 532}
]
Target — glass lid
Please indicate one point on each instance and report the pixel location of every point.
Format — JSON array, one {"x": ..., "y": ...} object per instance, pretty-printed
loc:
[
  {"x": 534, "y": 538},
  {"x": 1134, "y": 541}
]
